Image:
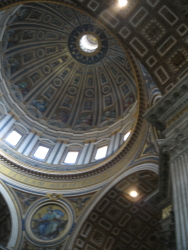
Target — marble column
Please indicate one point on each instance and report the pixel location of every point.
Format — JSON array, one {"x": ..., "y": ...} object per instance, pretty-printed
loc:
[
  {"x": 170, "y": 117},
  {"x": 179, "y": 174},
  {"x": 83, "y": 154},
  {"x": 7, "y": 126},
  {"x": 31, "y": 144}
]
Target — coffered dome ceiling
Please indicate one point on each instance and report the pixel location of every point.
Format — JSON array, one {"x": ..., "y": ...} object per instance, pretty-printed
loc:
[{"x": 55, "y": 78}]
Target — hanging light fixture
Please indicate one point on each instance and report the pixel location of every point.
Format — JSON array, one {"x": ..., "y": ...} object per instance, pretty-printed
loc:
[{"x": 122, "y": 3}]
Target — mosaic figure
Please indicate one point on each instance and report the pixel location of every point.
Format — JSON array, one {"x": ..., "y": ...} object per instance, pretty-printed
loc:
[
  {"x": 27, "y": 35},
  {"x": 121, "y": 60},
  {"x": 24, "y": 87},
  {"x": 88, "y": 105},
  {"x": 84, "y": 119},
  {"x": 114, "y": 71},
  {"x": 90, "y": 82},
  {"x": 26, "y": 199},
  {"x": 51, "y": 50},
  {"x": 128, "y": 102},
  {"x": 109, "y": 114},
  {"x": 67, "y": 102},
  {"x": 36, "y": 15},
  {"x": 51, "y": 35},
  {"x": 64, "y": 74},
  {"x": 108, "y": 101},
  {"x": 49, "y": 222},
  {"x": 149, "y": 146},
  {"x": 103, "y": 78},
  {"x": 14, "y": 65},
  {"x": 28, "y": 57},
  {"x": 125, "y": 89},
  {"x": 55, "y": 64},
  {"x": 40, "y": 104},
  {"x": 22, "y": 14},
  {"x": 76, "y": 80},
  {"x": 62, "y": 115},
  {"x": 56, "y": 22},
  {"x": 35, "y": 77},
  {"x": 12, "y": 38},
  {"x": 49, "y": 92}
]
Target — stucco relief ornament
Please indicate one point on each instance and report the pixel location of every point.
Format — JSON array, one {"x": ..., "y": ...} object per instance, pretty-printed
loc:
[
  {"x": 54, "y": 196},
  {"x": 166, "y": 144}
]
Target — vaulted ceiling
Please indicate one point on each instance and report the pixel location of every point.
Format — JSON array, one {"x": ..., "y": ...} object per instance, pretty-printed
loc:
[{"x": 155, "y": 30}]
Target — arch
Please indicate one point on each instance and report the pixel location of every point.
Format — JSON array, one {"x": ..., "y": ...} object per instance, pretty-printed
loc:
[
  {"x": 15, "y": 225},
  {"x": 148, "y": 166}
]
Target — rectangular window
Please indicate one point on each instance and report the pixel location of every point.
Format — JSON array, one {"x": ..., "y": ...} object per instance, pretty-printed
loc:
[
  {"x": 101, "y": 153},
  {"x": 71, "y": 157},
  {"x": 126, "y": 136},
  {"x": 41, "y": 152},
  {"x": 13, "y": 138}
]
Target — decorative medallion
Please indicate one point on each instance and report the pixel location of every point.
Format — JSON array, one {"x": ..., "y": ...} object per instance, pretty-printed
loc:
[
  {"x": 72, "y": 90},
  {"x": 47, "y": 18},
  {"x": 46, "y": 69},
  {"x": 40, "y": 35},
  {"x": 120, "y": 79},
  {"x": 89, "y": 93},
  {"x": 40, "y": 53},
  {"x": 49, "y": 222},
  {"x": 57, "y": 82},
  {"x": 106, "y": 89}
]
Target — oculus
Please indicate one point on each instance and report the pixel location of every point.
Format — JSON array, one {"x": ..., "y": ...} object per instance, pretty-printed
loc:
[{"x": 89, "y": 43}]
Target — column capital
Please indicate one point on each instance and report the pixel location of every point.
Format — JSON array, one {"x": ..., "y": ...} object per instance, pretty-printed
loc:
[{"x": 177, "y": 143}]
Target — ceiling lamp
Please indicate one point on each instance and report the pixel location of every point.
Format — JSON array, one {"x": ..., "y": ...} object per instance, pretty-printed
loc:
[
  {"x": 122, "y": 3},
  {"x": 133, "y": 194}
]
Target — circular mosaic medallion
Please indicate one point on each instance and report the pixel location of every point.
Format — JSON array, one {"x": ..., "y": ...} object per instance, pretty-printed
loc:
[
  {"x": 46, "y": 69},
  {"x": 40, "y": 53},
  {"x": 88, "y": 44},
  {"x": 57, "y": 82},
  {"x": 106, "y": 89},
  {"x": 40, "y": 35},
  {"x": 120, "y": 79},
  {"x": 89, "y": 93},
  {"x": 72, "y": 90},
  {"x": 49, "y": 222},
  {"x": 47, "y": 18}
]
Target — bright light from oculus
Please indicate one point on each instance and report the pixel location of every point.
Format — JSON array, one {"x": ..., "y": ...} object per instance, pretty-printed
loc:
[
  {"x": 101, "y": 153},
  {"x": 88, "y": 43},
  {"x": 122, "y": 3},
  {"x": 41, "y": 152},
  {"x": 126, "y": 136},
  {"x": 13, "y": 138},
  {"x": 133, "y": 194},
  {"x": 71, "y": 157}
]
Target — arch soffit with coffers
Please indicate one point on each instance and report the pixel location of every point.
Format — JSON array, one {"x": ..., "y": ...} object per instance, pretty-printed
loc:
[
  {"x": 141, "y": 167},
  {"x": 15, "y": 216}
]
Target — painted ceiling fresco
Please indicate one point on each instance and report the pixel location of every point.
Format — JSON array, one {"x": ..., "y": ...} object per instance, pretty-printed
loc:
[{"x": 53, "y": 79}]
